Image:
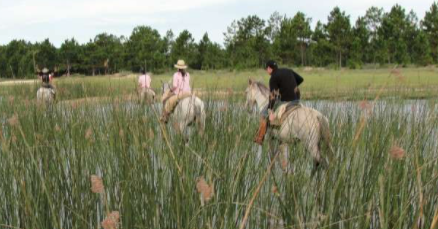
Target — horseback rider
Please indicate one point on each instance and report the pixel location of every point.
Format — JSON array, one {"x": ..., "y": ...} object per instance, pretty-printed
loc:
[
  {"x": 283, "y": 85},
  {"x": 144, "y": 84},
  {"x": 144, "y": 81},
  {"x": 180, "y": 89},
  {"x": 46, "y": 77}
]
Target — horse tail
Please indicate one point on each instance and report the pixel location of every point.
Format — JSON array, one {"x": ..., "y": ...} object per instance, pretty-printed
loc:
[
  {"x": 325, "y": 135},
  {"x": 200, "y": 115}
]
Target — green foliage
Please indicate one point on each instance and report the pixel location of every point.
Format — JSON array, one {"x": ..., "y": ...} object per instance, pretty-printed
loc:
[
  {"x": 339, "y": 33},
  {"x": 70, "y": 53},
  {"x": 185, "y": 48},
  {"x": 430, "y": 25},
  {"x": 46, "y": 55},
  {"x": 301, "y": 24},
  {"x": 247, "y": 42},
  {"x": 322, "y": 51},
  {"x": 145, "y": 49},
  {"x": 421, "y": 51},
  {"x": 373, "y": 21},
  {"x": 360, "y": 48},
  {"x": 109, "y": 52},
  {"x": 392, "y": 33},
  {"x": 387, "y": 38},
  {"x": 210, "y": 55}
]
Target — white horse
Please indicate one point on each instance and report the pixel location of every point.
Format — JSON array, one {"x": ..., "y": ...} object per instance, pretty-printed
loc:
[
  {"x": 188, "y": 111},
  {"x": 305, "y": 124},
  {"x": 46, "y": 95},
  {"x": 147, "y": 95}
]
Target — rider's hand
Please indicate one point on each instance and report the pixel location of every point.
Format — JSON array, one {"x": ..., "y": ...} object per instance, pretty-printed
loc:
[{"x": 271, "y": 115}]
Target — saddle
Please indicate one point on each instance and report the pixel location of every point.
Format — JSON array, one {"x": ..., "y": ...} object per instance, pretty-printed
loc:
[
  {"x": 282, "y": 112},
  {"x": 47, "y": 85},
  {"x": 171, "y": 100}
]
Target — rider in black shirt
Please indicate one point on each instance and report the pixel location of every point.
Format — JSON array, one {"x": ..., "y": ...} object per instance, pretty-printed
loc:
[{"x": 283, "y": 85}]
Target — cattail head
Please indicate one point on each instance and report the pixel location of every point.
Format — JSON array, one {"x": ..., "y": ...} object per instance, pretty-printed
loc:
[
  {"x": 13, "y": 121},
  {"x": 14, "y": 138},
  {"x": 397, "y": 153},
  {"x": 284, "y": 163},
  {"x": 57, "y": 128},
  {"x": 11, "y": 100},
  {"x": 396, "y": 72},
  {"x": 97, "y": 184},
  {"x": 224, "y": 108},
  {"x": 365, "y": 105},
  {"x": 27, "y": 103},
  {"x": 111, "y": 221},
  {"x": 204, "y": 189},
  {"x": 212, "y": 145},
  {"x": 274, "y": 190},
  {"x": 151, "y": 134},
  {"x": 74, "y": 105},
  {"x": 89, "y": 133},
  {"x": 414, "y": 108}
]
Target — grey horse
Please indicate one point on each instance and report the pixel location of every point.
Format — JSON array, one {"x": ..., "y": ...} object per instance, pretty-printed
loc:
[
  {"x": 188, "y": 111},
  {"x": 305, "y": 124}
]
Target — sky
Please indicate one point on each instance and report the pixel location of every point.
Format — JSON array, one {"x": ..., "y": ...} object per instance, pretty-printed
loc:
[{"x": 58, "y": 20}]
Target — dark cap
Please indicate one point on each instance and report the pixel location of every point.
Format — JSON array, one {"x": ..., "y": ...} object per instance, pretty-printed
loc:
[{"x": 272, "y": 64}]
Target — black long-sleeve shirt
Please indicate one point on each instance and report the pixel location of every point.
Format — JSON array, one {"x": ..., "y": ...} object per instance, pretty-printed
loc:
[{"x": 286, "y": 82}]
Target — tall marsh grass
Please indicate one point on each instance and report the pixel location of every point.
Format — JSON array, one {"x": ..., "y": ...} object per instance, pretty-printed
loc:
[{"x": 384, "y": 173}]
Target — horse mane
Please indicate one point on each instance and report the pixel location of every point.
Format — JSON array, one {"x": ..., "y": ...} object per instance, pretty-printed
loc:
[{"x": 263, "y": 89}]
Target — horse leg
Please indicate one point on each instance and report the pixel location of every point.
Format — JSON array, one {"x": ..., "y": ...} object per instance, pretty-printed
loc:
[
  {"x": 313, "y": 147},
  {"x": 183, "y": 130},
  {"x": 272, "y": 144}
]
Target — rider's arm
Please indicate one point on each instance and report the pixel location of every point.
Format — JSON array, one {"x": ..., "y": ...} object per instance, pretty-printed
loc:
[
  {"x": 274, "y": 87},
  {"x": 175, "y": 82}
]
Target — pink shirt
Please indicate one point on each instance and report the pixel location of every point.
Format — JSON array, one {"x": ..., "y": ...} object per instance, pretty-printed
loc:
[
  {"x": 144, "y": 81},
  {"x": 182, "y": 84}
]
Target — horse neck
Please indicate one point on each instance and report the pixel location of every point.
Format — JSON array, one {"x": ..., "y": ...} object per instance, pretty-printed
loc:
[{"x": 261, "y": 100}]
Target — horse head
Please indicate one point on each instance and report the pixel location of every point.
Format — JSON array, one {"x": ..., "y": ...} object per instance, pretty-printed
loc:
[
  {"x": 250, "y": 94},
  {"x": 165, "y": 90}
]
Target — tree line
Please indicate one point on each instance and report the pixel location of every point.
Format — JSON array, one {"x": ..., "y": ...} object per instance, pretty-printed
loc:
[{"x": 378, "y": 37}]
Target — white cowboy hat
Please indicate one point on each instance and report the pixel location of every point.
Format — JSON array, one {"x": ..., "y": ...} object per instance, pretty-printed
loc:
[
  {"x": 181, "y": 64},
  {"x": 45, "y": 71}
]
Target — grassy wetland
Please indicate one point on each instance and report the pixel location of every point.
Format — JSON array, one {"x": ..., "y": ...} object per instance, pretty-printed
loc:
[{"x": 107, "y": 163}]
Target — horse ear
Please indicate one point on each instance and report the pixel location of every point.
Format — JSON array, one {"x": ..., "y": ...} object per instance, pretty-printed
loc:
[{"x": 250, "y": 81}]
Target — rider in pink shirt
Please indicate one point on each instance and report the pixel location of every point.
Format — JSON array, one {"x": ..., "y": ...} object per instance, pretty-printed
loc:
[
  {"x": 144, "y": 87},
  {"x": 144, "y": 81},
  {"x": 180, "y": 90},
  {"x": 181, "y": 82}
]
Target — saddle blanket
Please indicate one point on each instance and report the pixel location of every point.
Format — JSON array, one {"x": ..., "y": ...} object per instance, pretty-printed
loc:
[{"x": 282, "y": 112}]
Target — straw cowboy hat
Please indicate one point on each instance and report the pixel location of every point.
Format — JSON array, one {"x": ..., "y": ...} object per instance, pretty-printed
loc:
[
  {"x": 45, "y": 71},
  {"x": 181, "y": 64}
]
